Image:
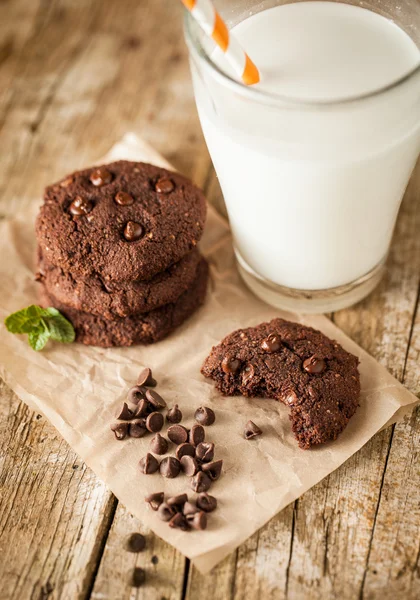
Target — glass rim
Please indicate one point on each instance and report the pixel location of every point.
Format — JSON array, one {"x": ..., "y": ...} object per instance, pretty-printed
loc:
[{"x": 197, "y": 49}]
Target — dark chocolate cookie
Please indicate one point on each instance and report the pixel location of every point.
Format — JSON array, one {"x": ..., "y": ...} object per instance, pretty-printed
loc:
[
  {"x": 296, "y": 365},
  {"x": 144, "y": 328},
  {"x": 122, "y": 221},
  {"x": 111, "y": 299}
]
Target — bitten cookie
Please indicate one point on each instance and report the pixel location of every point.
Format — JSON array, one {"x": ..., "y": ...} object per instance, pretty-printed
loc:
[
  {"x": 144, "y": 328},
  {"x": 111, "y": 299},
  {"x": 296, "y": 365},
  {"x": 122, "y": 221}
]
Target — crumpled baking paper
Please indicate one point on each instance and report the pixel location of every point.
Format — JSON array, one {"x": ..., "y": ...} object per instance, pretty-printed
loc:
[{"x": 78, "y": 389}]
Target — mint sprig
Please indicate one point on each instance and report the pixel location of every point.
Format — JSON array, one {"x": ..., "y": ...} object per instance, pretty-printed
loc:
[{"x": 41, "y": 324}]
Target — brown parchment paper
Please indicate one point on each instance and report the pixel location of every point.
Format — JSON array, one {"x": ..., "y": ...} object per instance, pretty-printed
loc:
[{"x": 79, "y": 388}]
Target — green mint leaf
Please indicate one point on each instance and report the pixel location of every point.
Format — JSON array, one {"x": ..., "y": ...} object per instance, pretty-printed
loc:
[
  {"x": 23, "y": 320},
  {"x": 38, "y": 338},
  {"x": 60, "y": 328}
]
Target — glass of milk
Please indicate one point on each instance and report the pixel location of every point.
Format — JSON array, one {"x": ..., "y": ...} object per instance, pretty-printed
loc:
[{"x": 314, "y": 160}]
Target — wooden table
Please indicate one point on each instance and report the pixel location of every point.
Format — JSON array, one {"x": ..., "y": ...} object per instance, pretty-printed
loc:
[{"x": 74, "y": 77}]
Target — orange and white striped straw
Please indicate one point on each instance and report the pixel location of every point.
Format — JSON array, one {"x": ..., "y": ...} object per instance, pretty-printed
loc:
[{"x": 212, "y": 23}]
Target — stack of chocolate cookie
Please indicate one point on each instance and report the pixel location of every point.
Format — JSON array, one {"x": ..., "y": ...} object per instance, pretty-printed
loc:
[{"x": 117, "y": 252}]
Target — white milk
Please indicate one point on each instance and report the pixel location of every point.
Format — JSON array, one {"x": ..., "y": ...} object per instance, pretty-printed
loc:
[{"x": 313, "y": 192}]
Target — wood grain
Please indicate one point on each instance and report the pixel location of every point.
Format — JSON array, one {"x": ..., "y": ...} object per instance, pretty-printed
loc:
[{"x": 76, "y": 76}]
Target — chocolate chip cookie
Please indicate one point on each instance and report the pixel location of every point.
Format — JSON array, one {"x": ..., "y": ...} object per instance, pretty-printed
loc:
[
  {"x": 144, "y": 328},
  {"x": 296, "y": 365},
  {"x": 112, "y": 299},
  {"x": 122, "y": 221}
]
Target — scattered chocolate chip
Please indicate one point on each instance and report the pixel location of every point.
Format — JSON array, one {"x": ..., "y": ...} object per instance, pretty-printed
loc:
[
  {"x": 123, "y": 199},
  {"x": 197, "y": 435},
  {"x": 166, "y": 512},
  {"x": 190, "y": 509},
  {"x": 185, "y": 449},
  {"x": 230, "y": 365},
  {"x": 133, "y": 231},
  {"x": 137, "y": 428},
  {"x": 174, "y": 415},
  {"x": 206, "y": 502},
  {"x": 189, "y": 465},
  {"x": 154, "y": 500},
  {"x": 154, "y": 560},
  {"x": 247, "y": 374},
  {"x": 146, "y": 378},
  {"x": 142, "y": 408},
  {"x": 80, "y": 206},
  {"x": 138, "y": 577},
  {"x": 148, "y": 464},
  {"x": 135, "y": 394},
  {"x": 124, "y": 413},
  {"x": 178, "y": 501},
  {"x": 170, "y": 467},
  {"x": 213, "y": 469},
  {"x": 272, "y": 343},
  {"x": 314, "y": 365},
  {"x": 198, "y": 520},
  {"x": 164, "y": 185},
  {"x": 100, "y": 177},
  {"x": 136, "y": 542},
  {"x": 178, "y": 521},
  {"x": 205, "y": 415},
  {"x": 200, "y": 482},
  {"x": 158, "y": 444},
  {"x": 120, "y": 430},
  {"x": 154, "y": 422},
  {"x": 205, "y": 452},
  {"x": 155, "y": 399},
  {"x": 177, "y": 434},
  {"x": 251, "y": 430}
]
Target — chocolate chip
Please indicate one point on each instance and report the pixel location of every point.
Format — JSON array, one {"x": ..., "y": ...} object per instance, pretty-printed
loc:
[
  {"x": 270, "y": 362},
  {"x": 213, "y": 469},
  {"x": 189, "y": 509},
  {"x": 133, "y": 231},
  {"x": 177, "y": 434},
  {"x": 247, "y": 374},
  {"x": 80, "y": 206},
  {"x": 154, "y": 500},
  {"x": 100, "y": 177},
  {"x": 198, "y": 520},
  {"x": 174, "y": 415},
  {"x": 178, "y": 501},
  {"x": 142, "y": 408},
  {"x": 205, "y": 451},
  {"x": 136, "y": 542},
  {"x": 204, "y": 415},
  {"x": 206, "y": 502},
  {"x": 170, "y": 467},
  {"x": 148, "y": 464},
  {"x": 155, "y": 399},
  {"x": 135, "y": 394},
  {"x": 138, "y": 577},
  {"x": 158, "y": 444},
  {"x": 251, "y": 430},
  {"x": 178, "y": 521},
  {"x": 124, "y": 413},
  {"x": 154, "y": 422},
  {"x": 230, "y": 365},
  {"x": 185, "y": 449},
  {"x": 314, "y": 365},
  {"x": 200, "y": 482},
  {"x": 272, "y": 343},
  {"x": 197, "y": 435},
  {"x": 123, "y": 199},
  {"x": 137, "y": 428},
  {"x": 166, "y": 512},
  {"x": 120, "y": 430},
  {"x": 164, "y": 185},
  {"x": 146, "y": 378},
  {"x": 189, "y": 465}
]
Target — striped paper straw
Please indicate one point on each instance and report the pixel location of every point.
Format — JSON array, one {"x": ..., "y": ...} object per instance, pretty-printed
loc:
[{"x": 212, "y": 23}]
